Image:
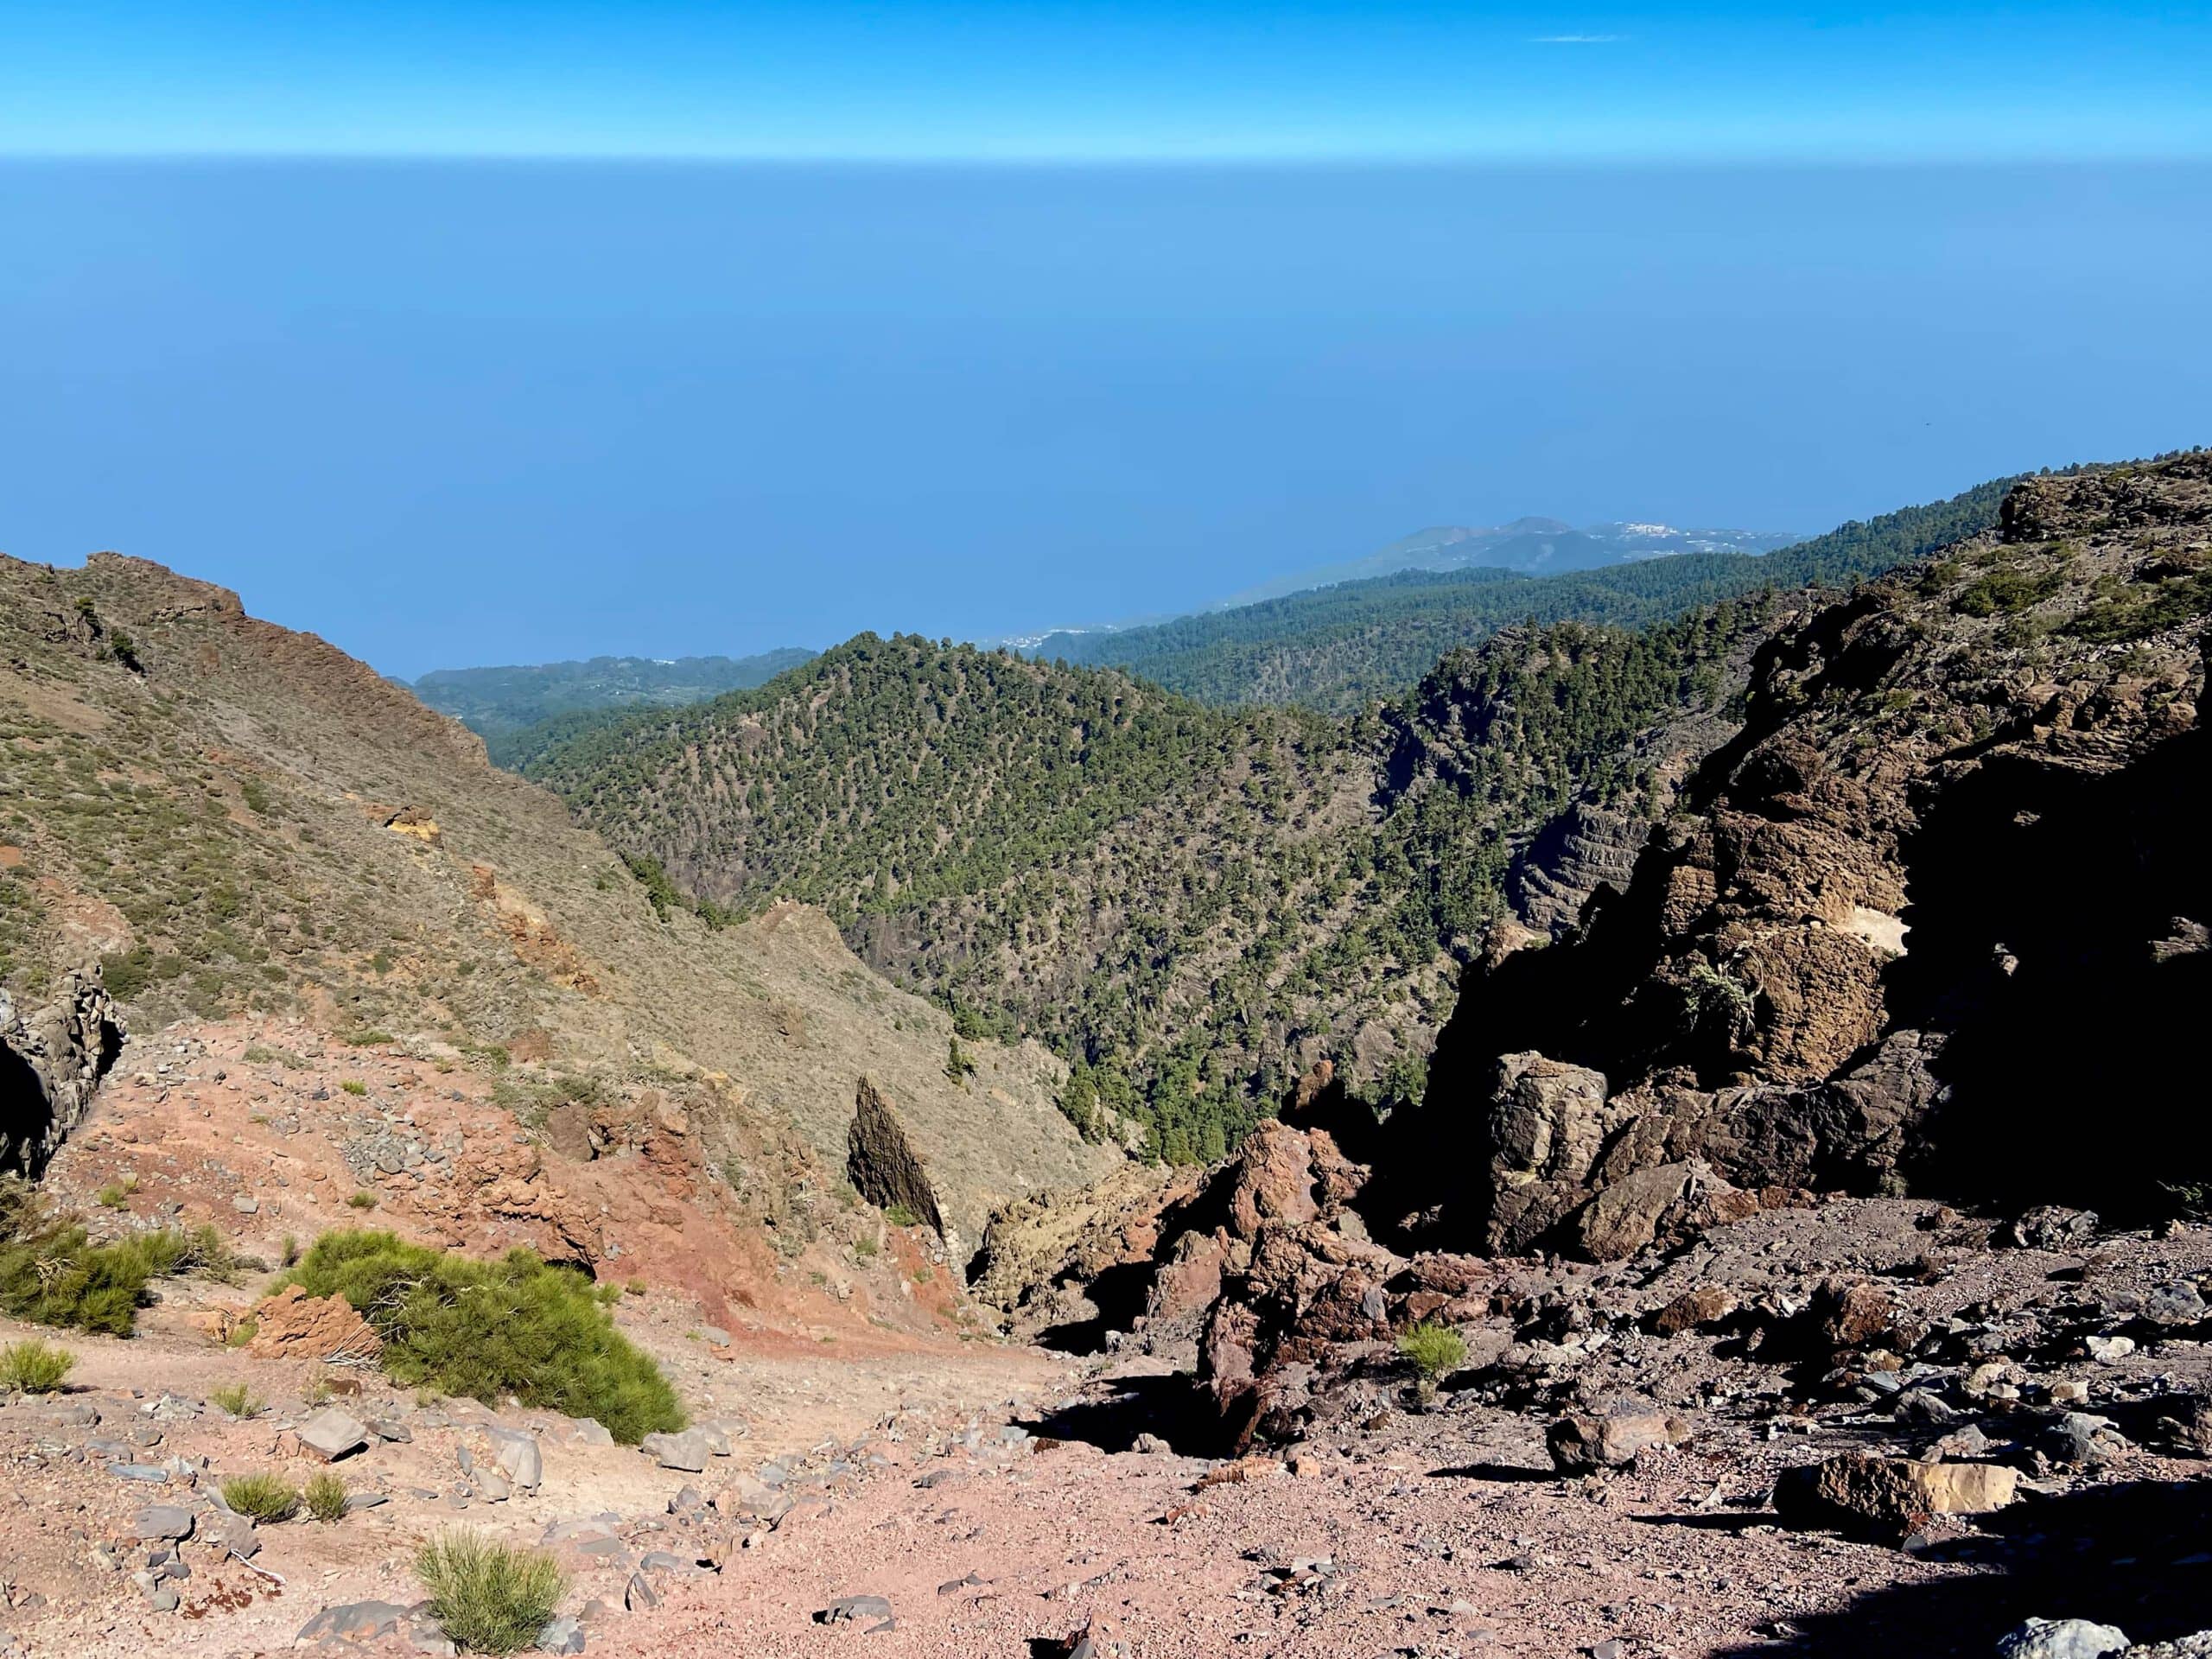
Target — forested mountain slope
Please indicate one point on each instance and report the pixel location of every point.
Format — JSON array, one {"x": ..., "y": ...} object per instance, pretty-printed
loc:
[
  {"x": 1340, "y": 648},
  {"x": 1191, "y": 903}
]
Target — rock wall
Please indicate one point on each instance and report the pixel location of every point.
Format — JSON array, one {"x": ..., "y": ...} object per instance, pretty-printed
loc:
[
  {"x": 884, "y": 1165},
  {"x": 1935, "y": 916},
  {"x": 52, "y": 1059},
  {"x": 1568, "y": 860}
]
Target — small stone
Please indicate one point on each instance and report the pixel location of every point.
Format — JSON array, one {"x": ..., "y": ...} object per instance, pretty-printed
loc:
[
  {"x": 244, "y": 1206},
  {"x": 848, "y": 1609},
  {"x": 2108, "y": 1350},
  {"x": 354, "y": 1621},
  {"x": 561, "y": 1636},
  {"x": 517, "y": 1456},
  {"x": 687, "y": 1451},
  {"x": 165, "y": 1520},
  {"x": 640, "y": 1595}
]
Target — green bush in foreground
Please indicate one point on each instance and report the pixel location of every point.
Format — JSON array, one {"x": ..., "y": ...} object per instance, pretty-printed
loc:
[
  {"x": 486, "y": 1330},
  {"x": 264, "y": 1498},
  {"x": 490, "y": 1597},
  {"x": 33, "y": 1367}
]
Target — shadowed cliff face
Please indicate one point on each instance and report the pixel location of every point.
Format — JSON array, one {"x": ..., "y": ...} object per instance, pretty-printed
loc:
[
  {"x": 1935, "y": 915},
  {"x": 2059, "y": 932},
  {"x": 52, "y": 1059}
]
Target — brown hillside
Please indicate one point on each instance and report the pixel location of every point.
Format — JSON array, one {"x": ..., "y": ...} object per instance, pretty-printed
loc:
[{"x": 234, "y": 818}]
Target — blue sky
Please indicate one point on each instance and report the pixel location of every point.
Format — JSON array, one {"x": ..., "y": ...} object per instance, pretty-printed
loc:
[
  {"x": 1373, "y": 79},
  {"x": 442, "y": 331}
]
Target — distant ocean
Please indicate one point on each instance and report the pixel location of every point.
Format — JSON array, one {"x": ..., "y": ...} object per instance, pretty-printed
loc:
[{"x": 488, "y": 413}]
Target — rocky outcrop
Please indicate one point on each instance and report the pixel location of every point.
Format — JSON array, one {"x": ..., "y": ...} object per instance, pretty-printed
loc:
[
  {"x": 292, "y": 1325},
  {"x": 883, "y": 1163},
  {"x": 52, "y": 1059},
  {"x": 1939, "y": 893},
  {"x": 1585, "y": 848}
]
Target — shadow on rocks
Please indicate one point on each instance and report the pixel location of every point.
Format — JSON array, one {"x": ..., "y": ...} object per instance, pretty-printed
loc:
[
  {"x": 2109, "y": 1553},
  {"x": 1171, "y": 1408}
]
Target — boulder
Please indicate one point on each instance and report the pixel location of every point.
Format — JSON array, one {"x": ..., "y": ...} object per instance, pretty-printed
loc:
[
  {"x": 1888, "y": 1499},
  {"x": 292, "y": 1325},
  {"x": 163, "y": 1521},
  {"x": 354, "y": 1622},
  {"x": 1580, "y": 1443},
  {"x": 330, "y": 1434},
  {"x": 1662, "y": 1204},
  {"x": 2061, "y": 1638},
  {"x": 561, "y": 1636},
  {"x": 1693, "y": 1310},
  {"x": 1273, "y": 1181},
  {"x": 687, "y": 1451},
  {"x": 517, "y": 1454}
]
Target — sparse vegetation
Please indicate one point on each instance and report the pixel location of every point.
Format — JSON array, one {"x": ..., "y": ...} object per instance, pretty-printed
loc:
[
  {"x": 354, "y": 1086},
  {"x": 488, "y": 1328},
  {"x": 325, "y": 1495},
  {"x": 34, "y": 1367},
  {"x": 240, "y": 1401},
  {"x": 362, "y": 1199},
  {"x": 1435, "y": 1350},
  {"x": 489, "y": 1597},
  {"x": 265, "y": 1498}
]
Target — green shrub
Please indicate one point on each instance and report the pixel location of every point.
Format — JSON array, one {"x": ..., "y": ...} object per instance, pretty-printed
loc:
[
  {"x": 51, "y": 1273},
  {"x": 265, "y": 1498},
  {"x": 239, "y": 1400},
  {"x": 354, "y": 1086},
  {"x": 490, "y": 1597},
  {"x": 363, "y": 1200},
  {"x": 1436, "y": 1350},
  {"x": 115, "y": 1194},
  {"x": 900, "y": 1215},
  {"x": 326, "y": 1496},
  {"x": 33, "y": 1367},
  {"x": 488, "y": 1328}
]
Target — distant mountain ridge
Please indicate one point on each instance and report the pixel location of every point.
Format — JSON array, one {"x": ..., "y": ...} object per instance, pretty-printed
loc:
[
  {"x": 1530, "y": 545},
  {"x": 1342, "y": 648},
  {"x": 499, "y": 703}
]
